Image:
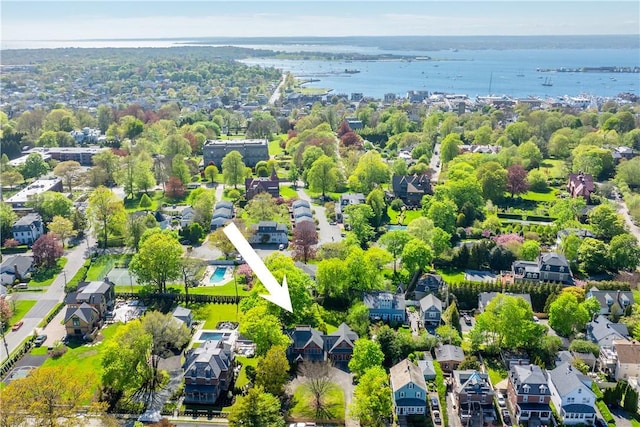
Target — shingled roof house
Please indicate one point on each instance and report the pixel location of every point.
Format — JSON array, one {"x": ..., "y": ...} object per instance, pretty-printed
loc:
[
  {"x": 87, "y": 308},
  {"x": 270, "y": 185},
  {"x": 411, "y": 188},
  {"x": 208, "y": 372},
  {"x": 528, "y": 393},
  {"x": 310, "y": 344},
  {"x": 571, "y": 395},
  {"x": 550, "y": 267},
  {"x": 580, "y": 185},
  {"x": 28, "y": 229},
  {"x": 408, "y": 387}
]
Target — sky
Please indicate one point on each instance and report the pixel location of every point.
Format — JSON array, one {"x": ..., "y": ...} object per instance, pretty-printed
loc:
[{"x": 119, "y": 19}]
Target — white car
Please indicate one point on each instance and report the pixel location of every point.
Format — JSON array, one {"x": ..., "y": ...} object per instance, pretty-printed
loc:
[{"x": 501, "y": 400}]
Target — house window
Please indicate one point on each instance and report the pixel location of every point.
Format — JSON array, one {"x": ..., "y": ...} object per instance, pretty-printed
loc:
[
  {"x": 401, "y": 394},
  {"x": 525, "y": 388},
  {"x": 541, "y": 400},
  {"x": 410, "y": 385},
  {"x": 76, "y": 321},
  {"x": 525, "y": 398},
  {"x": 418, "y": 394}
]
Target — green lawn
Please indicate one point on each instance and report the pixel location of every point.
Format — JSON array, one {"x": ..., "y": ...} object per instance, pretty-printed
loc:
[
  {"x": 46, "y": 277},
  {"x": 214, "y": 313},
  {"x": 334, "y": 403},
  {"x": 85, "y": 361},
  {"x": 496, "y": 371},
  {"x": 245, "y": 361},
  {"x": 227, "y": 289},
  {"x": 21, "y": 308},
  {"x": 549, "y": 196},
  {"x": 274, "y": 147},
  {"x": 287, "y": 192},
  {"x": 450, "y": 275},
  {"x": 405, "y": 217},
  {"x": 133, "y": 205}
]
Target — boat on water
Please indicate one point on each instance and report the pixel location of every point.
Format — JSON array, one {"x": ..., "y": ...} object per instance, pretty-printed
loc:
[
  {"x": 547, "y": 82},
  {"x": 351, "y": 71}
]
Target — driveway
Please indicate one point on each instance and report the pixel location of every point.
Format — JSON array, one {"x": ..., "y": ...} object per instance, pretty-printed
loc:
[
  {"x": 327, "y": 233},
  {"x": 47, "y": 300},
  {"x": 435, "y": 164}
]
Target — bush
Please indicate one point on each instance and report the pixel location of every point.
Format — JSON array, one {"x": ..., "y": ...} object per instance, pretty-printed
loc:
[
  {"x": 58, "y": 351},
  {"x": 397, "y": 205}
]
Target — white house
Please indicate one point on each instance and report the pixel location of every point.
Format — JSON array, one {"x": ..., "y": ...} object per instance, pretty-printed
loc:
[
  {"x": 409, "y": 388},
  {"x": 269, "y": 232},
  {"x": 628, "y": 360},
  {"x": 28, "y": 229},
  {"x": 571, "y": 395}
]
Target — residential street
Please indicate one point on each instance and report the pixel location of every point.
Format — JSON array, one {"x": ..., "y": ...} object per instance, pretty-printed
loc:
[
  {"x": 624, "y": 211},
  {"x": 434, "y": 164},
  {"x": 47, "y": 300}
]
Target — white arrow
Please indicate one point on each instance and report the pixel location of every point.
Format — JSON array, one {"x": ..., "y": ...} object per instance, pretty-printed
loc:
[{"x": 278, "y": 295}]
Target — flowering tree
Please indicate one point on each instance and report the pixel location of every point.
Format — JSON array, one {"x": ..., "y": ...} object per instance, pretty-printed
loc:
[
  {"x": 47, "y": 250},
  {"x": 247, "y": 273},
  {"x": 305, "y": 237},
  {"x": 507, "y": 239}
]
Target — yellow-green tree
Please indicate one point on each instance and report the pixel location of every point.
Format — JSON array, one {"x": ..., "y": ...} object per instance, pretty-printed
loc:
[{"x": 158, "y": 260}]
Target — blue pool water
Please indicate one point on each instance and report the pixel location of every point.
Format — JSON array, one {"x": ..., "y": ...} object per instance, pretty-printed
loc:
[
  {"x": 396, "y": 227},
  {"x": 218, "y": 275},
  {"x": 211, "y": 336}
]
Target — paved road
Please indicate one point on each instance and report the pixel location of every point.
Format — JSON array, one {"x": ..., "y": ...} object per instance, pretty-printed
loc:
[
  {"x": 327, "y": 233},
  {"x": 434, "y": 164},
  {"x": 624, "y": 211},
  {"x": 48, "y": 300},
  {"x": 276, "y": 93}
]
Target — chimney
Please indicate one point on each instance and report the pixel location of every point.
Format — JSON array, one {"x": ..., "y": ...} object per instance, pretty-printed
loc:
[
  {"x": 15, "y": 271},
  {"x": 531, "y": 367}
]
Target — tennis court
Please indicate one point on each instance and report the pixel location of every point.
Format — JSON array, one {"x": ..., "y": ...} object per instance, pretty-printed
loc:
[{"x": 121, "y": 276}]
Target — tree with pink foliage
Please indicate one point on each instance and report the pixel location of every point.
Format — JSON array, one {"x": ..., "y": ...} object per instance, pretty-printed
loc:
[
  {"x": 246, "y": 273},
  {"x": 517, "y": 180},
  {"x": 305, "y": 237},
  {"x": 507, "y": 239}
]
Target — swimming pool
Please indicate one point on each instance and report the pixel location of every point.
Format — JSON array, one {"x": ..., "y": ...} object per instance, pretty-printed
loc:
[
  {"x": 218, "y": 275},
  {"x": 211, "y": 336}
]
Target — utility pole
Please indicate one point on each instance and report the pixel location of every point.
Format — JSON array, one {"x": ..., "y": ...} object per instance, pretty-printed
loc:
[{"x": 4, "y": 338}]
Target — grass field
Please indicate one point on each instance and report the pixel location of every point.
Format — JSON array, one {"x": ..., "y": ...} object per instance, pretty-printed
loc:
[
  {"x": 85, "y": 361},
  {"x": 334, "y": 403},
  {"x": 550, "y": 196},
  {"x": 451, "y": 275},
  {"x": 214, "y": 313},
  {"x": 46, "y": 277},
  {"x": 227, "y": 289},
  {"x": 274, "y": 146},
  {"x": 245, "y": 361},
  {"x": 496, "y": 371},
  {"x": 133, "y": 205},
  {"x": 288, "y": 192},
  {"x": 405, "y": 217},
  {"x": 22, "y": 307},
  {"x": 101, "y": 266}
]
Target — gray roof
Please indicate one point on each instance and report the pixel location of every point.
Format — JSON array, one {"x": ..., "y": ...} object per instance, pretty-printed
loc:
[
  {"x": 602, "y": 331},
  {"x": 554, "y": 258},
  {"x": 607, "y": 298},
  {"x": 224, "y": 204},
  {"x": 372, "y": 300},
  {"x": 181, "y": 312},
  {"x": 449, "y": 352},
  {"x": 84, "y": 312},
  {"x": 299, "y": 203},
  {"x": 22, "y": 262},
  {"x": 578, "y": 408},
  {"x": 302, "y": 211},
  {"x": 532, "y": 375},
  {"x": 344, "y": 333},
  {"x": 27, "y": 220},
  {"x": 404, "y": 373},
  {"x": 3, "y": 290},
  {"x": 472, "y": 381},
  {"x": 223, "y": 213},
  {"x": 430, "y": 301},
  {"x": 566, "y": 379},
  {"x": 427, "y": 368},
  {"x": 207, "y": 361},
  {"x": 272, "y": 224}
]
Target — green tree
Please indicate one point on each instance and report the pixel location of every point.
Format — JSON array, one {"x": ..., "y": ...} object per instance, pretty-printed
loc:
[
  {"x": 531, "y": 155},
  {"x": 106, "y": 213},
  {"x": 370, "y": 172},
  {"x": 593, "y": 256},
  {"x": 263, "y": 207},
  {"x": 358, "y": 218},
  {"x": 416, "y": 255},
  {"x": 211, "y": 173},
  {"x": 59, "y": 120},
  {"x": 566, "y": 315},
  {"x": 50, "y": 204},
  {"x": 450, "y": 147},
  {"x": 518, "y": 132},
  {"x": 449, "y": 335},
  {"x": 629, "y": 172},
  {"x": 108, "y": 161},
  {"x": 256, "y": 409},
  {"x": 376, "y": 200},
  {"x": 529, "y": 251},
  {"x": 323, "y": 175},
  {"x": 125, "y": 358},
  {"x": 145, "y": 201},
  {"x": 358, "y": 318},
  {"x": 493, "y": 180},
  {"x": 51, "y": 396},
  {"x": 158, "y": 260},
  {"x": 271, "y": 371},
  {"x": 399, "y": 167},
  {"x": 34, "y": 166},
  {"x": 180, "y": 169},
  {"x": 262, "y": 328},
  {"x": 202, "y": 200},
  {"x": 11, "y": 178},
  {"x": 421, "y": 228},
  {"x": 372, "y": 398},
  {"x": 366, "y": 355},
  {"x": 624, "y": 252},
  {"x": 394, "y": 241},
  {"x": 62, "y": 227},
  {"x": 443, "y": 214},
  {"x": 7, "y": 218},
  {"x": 606, "y": 222},
  {"x": 567, "y": 210},
  {"x": 233, "y": 169}
]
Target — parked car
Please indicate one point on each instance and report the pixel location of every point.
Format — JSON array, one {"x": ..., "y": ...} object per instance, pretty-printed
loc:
[
  {"x": 467, "y": 319},
  {"x": 501, "y": 400},
  {"x": 17, "y": 326},
  {"x": 436, "y": 417},
  {"x": 506, "y": 417},
  {"x": 281, "y": 247},
  {"x": 434, "y": 402},
  {"x": 535, "y": 319},
  {"x": 40, "y": 339},
  {"x": 333, "y": 223}
]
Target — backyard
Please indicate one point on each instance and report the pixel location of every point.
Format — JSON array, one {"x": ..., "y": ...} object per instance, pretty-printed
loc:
[
  {"x": 45, "y": 277},
  {"x": 211, "y": 314},
  {"x": 333, "y": 403}
]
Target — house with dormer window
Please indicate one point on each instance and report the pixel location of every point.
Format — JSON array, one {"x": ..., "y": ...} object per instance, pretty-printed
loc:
[
  {"x": 571, "y": 395},
  {"x": 550, "y": 267},
  {"x": 208, "y": 372},
  {"x": 612, "y": 302},
  {"x": 430, "y": 310},
  {"x": 528, "y": 393},
  {"x": 408, "y": 387},
  {"x": 386, "y": 306},
  {"x": 411, "y": 188},
  {"x": 474, "y": 395},
  {"x": 310, "y": 344}
]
